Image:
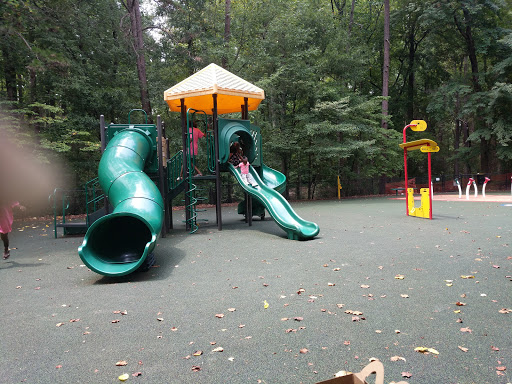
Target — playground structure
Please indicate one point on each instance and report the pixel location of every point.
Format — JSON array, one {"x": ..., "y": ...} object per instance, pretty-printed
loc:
[
  {"x": 424, "y": 145},
  {"x": 140, "y": 179}
]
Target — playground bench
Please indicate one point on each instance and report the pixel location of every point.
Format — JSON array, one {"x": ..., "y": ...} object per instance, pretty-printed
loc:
[{"x": 397, "y": 189}]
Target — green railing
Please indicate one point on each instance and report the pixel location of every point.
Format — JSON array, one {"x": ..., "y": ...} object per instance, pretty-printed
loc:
[
  {"x": 174, "y": 170},
  {"x": 210, "y": 148},
  {"x": 60, "y": 200}
]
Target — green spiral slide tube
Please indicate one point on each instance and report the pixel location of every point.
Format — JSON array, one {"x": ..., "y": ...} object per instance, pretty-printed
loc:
[{"x": 118, "y": 244}]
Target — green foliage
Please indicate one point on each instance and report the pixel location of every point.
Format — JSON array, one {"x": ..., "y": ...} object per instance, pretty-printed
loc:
[{"x": 63, "y": 63}]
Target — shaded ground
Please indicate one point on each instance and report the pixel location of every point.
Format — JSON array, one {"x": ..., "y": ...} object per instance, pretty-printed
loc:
[{"x": 461, "y": 257}]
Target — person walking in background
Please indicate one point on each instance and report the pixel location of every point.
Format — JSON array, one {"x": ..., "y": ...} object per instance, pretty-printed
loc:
[
  {"x": 6, "y": 219},
  {"x": 195, "y": 134}
]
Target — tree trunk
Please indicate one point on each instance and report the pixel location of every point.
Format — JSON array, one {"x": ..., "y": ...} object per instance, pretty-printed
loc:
[
  {"x": 351, "y": 20},
  {"x": 385, "y": 66},
  {"x": 385, "y": 83},
  {"x": 410, "y": 81},
  {"x": 227, "y": 32},
  {"x": 9, "y": 73},
  {"x": 138, "y": 47}
]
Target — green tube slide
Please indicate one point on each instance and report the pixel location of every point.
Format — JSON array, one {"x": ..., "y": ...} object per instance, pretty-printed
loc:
[
  {"x": 295, "y": 227},
  {"x": 119, "y": 243}
]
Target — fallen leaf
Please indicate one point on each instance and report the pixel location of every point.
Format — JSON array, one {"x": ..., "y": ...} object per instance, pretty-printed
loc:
[
  {"x": 174, "y": 329},
  {"x": 265, "y": 304},
  {"x": 405, "y": 296},
  {"x": 397, "y": 358},
  {"x": 340, "y": 305},
  {"x": 58, "y": 366},
  {"x": 290, "y": 330},
  {"x": 121, "y": 363},
  {"x": 505, "y": 310},
  {"x": 218, "y": 349},
  {"x": 399, "y": 277},
  {"x": 466, "y": 330},
  {"x": 494, "y": 348},
  {"x": 301, "y": 290},
  {"x": 463, "y": 349},
  {"x": 495, "y": 266},
  {"x": 331, "y": 284},
  {"x": 124, "y": 377},
  {"x": 231, "y": 309},
  {"x": 467, "y": 276},
  {"x": 197, "y": 353},
  {"x": 115, "y": 321},
  {"x": 426, "y": 350},
  {"x": 407, "y": 374},
  {"x": 160, "y": 318},
  {"x": 304, "y": 350},
  {"x": 378, "y": 331},
  {"x": 196, "y": 368},
  {"x": 346, "y": 342},
  {"x": 59, "y": 324},
  {"x": 298, "y": 318},
  {"x": 460, "y": 304},
  {"x": 501, "y": 368},
  {"x": 136, "y": 374},
  {"x": 219, "y": 315},
  {"x": 336, "y": 269},
  {"x": 365, "y": 286}
]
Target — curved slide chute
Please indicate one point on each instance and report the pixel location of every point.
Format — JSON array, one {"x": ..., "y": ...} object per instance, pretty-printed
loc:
[
  {"x": 119, "y": 243},
  {"x": 295, "y": 227}
]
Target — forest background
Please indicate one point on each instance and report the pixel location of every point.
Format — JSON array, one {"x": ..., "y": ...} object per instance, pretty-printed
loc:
[{"x": 341, "y": 78}]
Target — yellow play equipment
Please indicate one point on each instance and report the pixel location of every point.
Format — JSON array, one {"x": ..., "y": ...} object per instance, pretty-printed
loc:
[
  {"x": 339, "y": 188},
  {"x": 424, "y": 145}
]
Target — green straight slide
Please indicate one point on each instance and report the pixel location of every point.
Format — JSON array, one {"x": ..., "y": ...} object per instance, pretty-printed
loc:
[
  {"x": 119, "y": 243},
  {"x": 295, "y": 227}
]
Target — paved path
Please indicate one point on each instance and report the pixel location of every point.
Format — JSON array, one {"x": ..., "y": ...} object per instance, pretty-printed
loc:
[{"x": 64, "y": 324}]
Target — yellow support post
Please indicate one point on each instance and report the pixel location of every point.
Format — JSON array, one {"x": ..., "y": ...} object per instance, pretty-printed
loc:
[
  {"x": 339, "y": 188},
  {"x": 424, "y": 209}
]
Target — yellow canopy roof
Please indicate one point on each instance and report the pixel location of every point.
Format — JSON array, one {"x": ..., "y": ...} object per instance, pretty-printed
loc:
[{"x": 197, "y": 90}]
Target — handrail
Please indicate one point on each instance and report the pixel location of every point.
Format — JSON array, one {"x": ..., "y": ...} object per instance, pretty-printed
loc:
[
  {"x": 210, "y": 147},
  {"x": 141, "y": 110},
  {"x": 174, "y": 169}
]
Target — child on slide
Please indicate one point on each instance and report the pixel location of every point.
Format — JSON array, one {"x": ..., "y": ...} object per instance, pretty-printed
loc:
[{"x": 244, "y": 170}]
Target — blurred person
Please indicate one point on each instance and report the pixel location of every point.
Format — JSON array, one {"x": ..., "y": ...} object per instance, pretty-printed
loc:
[{"x": 6, "y": 219}]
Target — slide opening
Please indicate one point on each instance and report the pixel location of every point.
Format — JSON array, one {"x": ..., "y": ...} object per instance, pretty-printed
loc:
[{"x": 116, "y": 244}]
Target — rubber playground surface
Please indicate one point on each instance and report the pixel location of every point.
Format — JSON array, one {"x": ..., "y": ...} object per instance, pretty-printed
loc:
[{"x": 247, "y": 305}]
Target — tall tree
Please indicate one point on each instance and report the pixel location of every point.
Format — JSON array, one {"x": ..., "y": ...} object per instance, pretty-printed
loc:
[
  {"x": 227, "y": 30},
  {"x": 385, "y": 65},
  {"x": 137, "y": 34}
]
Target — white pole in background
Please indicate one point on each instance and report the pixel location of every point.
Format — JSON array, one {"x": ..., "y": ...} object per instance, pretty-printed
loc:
[
  {"x": 460, "y": 189},
  {"x": 476, "y": 188},
  {"x": 485, "y": 183},
  {"x": 468, "y": 187}
]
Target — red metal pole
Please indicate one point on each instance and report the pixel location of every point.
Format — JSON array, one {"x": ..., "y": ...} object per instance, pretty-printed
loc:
[
  {"x": 405, "y": 169},
  {"x": 430, "y": 184}
]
